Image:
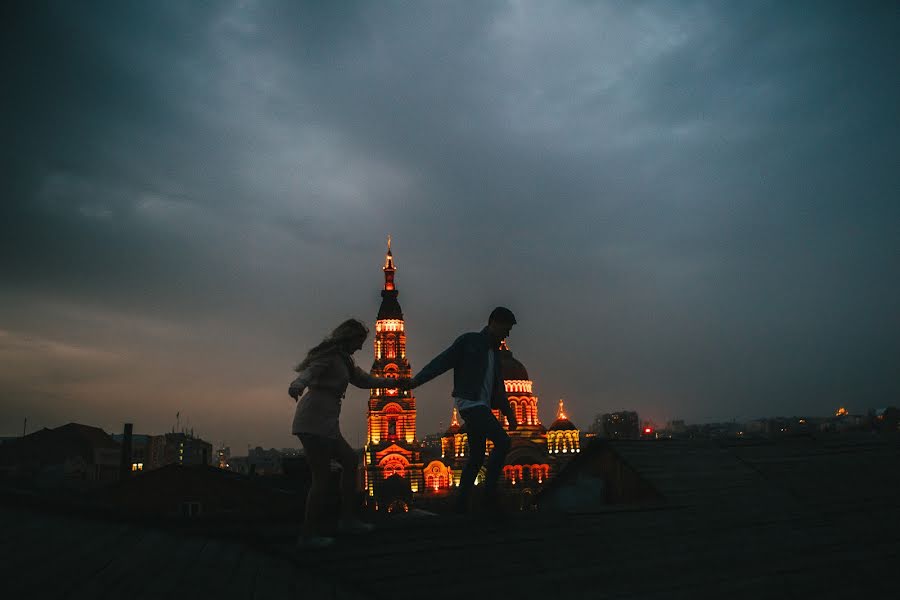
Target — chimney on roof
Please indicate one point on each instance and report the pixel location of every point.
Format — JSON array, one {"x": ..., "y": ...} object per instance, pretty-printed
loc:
[{"x": 125, "y": 466}]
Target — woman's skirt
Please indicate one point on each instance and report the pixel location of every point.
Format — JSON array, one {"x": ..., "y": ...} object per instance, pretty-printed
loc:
[{"x": 317, "y": 413}]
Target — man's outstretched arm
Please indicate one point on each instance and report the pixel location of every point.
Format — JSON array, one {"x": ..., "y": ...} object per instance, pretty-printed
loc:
[{"x": 440, "y": 364}]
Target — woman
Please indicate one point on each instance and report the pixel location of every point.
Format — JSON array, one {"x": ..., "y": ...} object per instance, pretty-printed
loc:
[{"x": 325, "y": 373}]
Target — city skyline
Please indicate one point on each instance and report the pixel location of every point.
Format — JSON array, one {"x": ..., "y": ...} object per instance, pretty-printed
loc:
[{"x": 691, "y": 208}]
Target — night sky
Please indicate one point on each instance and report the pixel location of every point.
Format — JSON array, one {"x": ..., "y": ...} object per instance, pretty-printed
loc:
[{"x": 691, "y": 207}]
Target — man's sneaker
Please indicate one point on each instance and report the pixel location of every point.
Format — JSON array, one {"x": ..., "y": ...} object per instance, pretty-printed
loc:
[
  {"x": 355, "y": 526},
  {"x": 313, "y": 542}
]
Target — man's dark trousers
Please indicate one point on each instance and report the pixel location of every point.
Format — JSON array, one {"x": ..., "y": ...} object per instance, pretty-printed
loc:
[{"x": 481, "y": 425}]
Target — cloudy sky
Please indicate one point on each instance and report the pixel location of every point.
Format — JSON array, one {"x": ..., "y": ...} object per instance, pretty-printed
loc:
[{"x": 691, "y": 207}]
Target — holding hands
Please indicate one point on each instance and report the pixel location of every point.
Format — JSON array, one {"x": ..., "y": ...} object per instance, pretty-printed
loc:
[
  {"x": 405, "y": 383},
  {"x": 297, "y": 387}
]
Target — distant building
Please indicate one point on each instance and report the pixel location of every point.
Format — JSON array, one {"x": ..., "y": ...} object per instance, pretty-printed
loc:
[
  {"x": 623, "y": 425},
  {"x": 239, "y": 464},
  {"x": 432, "y": 442},
  {"x": 727, "y": 429},
  {"x": 222, "y": 456},
  {"x": 885, "y": 419},
  {"x": 185, "y": 449},
  {"x": 73, "y": 455},
  {"x": 676, "y": 426},
  {"x": 756, "y": 427},
  {"x": 675, "y": 429},
  {"x": 265, "y": 462},
  {"x": 845, "y": 422},
  {"x": 260, "y": 461},
  {"x": 147, "y": 451}
]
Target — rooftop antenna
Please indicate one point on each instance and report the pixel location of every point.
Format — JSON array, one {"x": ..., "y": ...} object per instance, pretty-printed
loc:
[{"x": 24, "y": 426}]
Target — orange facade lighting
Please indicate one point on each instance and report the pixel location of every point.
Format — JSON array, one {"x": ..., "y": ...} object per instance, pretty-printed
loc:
[
  {"x": 389, "y": 325},
  {"x": 521, "y": 386}
]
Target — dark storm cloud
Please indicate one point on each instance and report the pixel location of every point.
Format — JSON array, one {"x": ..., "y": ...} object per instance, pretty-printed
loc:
[{"x": 692, "y": 207}]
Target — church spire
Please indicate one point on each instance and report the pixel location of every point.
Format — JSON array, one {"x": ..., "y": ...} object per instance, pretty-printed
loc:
[
  {"x": 561, "y": 411},
  {"x": 390, "y": 308},
  {"x": 389, "y": 268}
]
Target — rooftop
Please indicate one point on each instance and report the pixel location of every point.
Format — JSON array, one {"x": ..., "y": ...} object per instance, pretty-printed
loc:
[{"x": 788, "y": 519}]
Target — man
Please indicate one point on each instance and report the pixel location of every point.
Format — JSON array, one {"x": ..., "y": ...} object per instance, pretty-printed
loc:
[{"x": 478, "y": 388}]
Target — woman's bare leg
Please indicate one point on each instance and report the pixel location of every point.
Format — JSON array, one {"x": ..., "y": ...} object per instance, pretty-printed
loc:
[
  {"x": 318, "y": 456},
  {"x": 346, "y": 456}
]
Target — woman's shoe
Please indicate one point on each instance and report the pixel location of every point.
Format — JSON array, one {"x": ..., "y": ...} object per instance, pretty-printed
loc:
[
  {"x": 312, "y": 542},
  {"x": 355, "y": 526}
]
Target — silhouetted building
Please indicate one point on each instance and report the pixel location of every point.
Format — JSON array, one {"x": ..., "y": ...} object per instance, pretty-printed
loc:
[
  {"x": 72, "y": 455},
  {"x": 185, "y": 449},
  {"x": 147, "y": 451},
  {"x": 886, "y": 419},
  {"x": 239, "y": 464},
  {"x": 178, "y": 490},
  {"x": 265, "y": 462},
  {"x": 623, "y": 425},
  {"x": 432, "y": 442}
]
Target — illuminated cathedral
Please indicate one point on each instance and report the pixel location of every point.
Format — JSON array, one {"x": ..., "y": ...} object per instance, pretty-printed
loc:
[
  {"x": 393, "y": 463},
  {"x": 399, "y": 471},
  {"x": 536, "y": 454}
]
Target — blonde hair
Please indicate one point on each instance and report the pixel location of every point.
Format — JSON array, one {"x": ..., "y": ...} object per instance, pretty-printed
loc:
[{"x": 349, "y": 329}]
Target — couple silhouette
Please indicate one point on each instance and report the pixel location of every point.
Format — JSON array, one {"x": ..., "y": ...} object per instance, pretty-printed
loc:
[{"x": 322, "y": 380}]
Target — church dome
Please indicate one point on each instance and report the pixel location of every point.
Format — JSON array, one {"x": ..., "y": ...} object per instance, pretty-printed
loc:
[
  {"x": 390, "y": 307},
  {"x": 562, "y": 422},
  {"x": 562, "y": 425},
  {"x": 511, "y": 368}
]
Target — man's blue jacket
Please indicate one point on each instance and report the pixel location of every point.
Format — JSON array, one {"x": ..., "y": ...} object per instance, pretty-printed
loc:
[{"x": 468, "y": 356}]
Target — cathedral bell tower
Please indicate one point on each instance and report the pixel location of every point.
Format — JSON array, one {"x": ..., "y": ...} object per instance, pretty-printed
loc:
[{"x": 393, "y": 463}]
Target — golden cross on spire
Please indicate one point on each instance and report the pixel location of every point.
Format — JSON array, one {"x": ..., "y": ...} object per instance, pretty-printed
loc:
[
  {"x": 389, "y": 267},
  {"x": 389, "y": 257}
]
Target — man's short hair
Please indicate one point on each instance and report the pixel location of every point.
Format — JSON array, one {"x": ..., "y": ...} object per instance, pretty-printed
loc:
[{"x": 503, "y": 315}]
